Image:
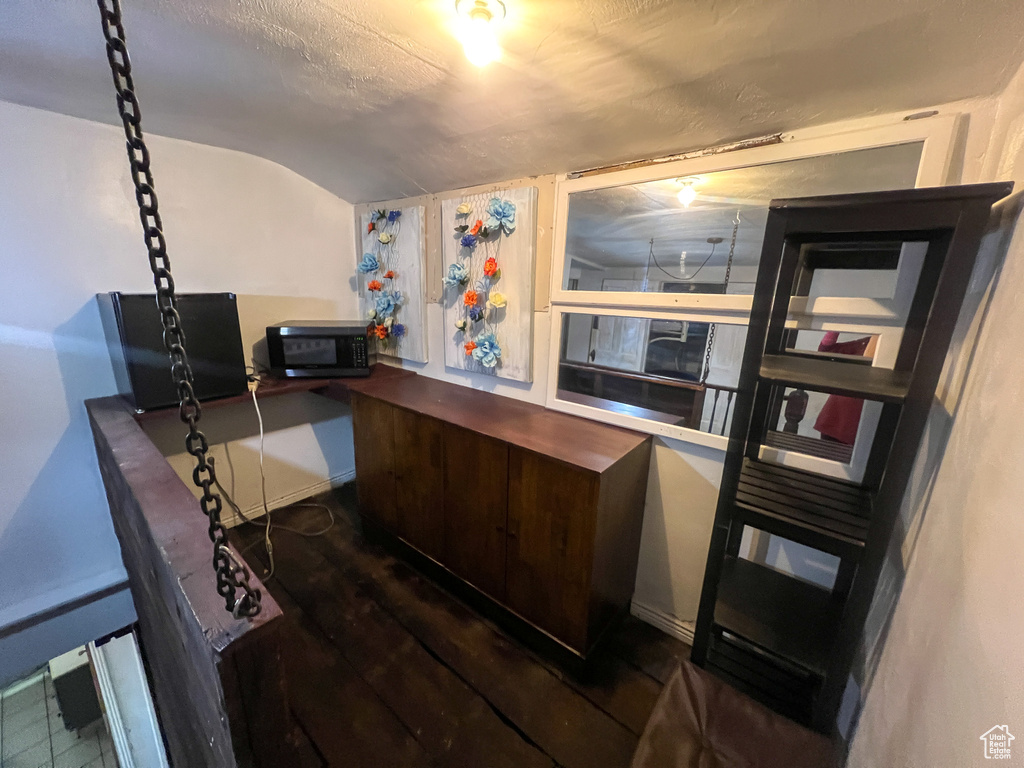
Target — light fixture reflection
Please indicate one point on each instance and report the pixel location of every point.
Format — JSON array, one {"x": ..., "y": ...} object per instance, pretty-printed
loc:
[
  {"x": 477, "y": 29},
  {"x": 688, "y": 193}
]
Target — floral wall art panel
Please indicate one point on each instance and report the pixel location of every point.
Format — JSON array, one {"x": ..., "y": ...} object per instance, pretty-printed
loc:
[
  {"x": 391, "y": 275},
  {"x": 488, "y": 245}
]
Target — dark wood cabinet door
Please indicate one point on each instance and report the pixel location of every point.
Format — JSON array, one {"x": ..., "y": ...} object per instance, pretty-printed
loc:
[
  {"x": 550, "y": 544},
  {"x": 419, "y": 481},
  {"x": 374, "y": 437},
  {"x": 476, "y": 508}
]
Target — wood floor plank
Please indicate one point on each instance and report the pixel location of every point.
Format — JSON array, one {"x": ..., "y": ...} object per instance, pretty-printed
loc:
[
  {"x": 341, "y": 714},
  {"x": 618, "y": 687},
  {"x": 451, "y": 721},
  {"x": 624, "y": 692},
  {"x": 371, "y": 605},
  {"x": 563, "y": 723},
  {"x": 648, "y": 648}
]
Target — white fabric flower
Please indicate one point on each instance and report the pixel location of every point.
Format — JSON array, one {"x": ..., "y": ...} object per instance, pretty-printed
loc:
[
  {"x": 463, "y": 209},
  {"x": 497, "y": 300}
]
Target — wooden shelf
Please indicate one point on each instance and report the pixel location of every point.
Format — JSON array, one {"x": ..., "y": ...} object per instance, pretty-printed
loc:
[
  {"x": 810, "y": 446},
  {"x": 785, "y": 688},
  {"x": 836, "y": 378},
  {"x": 821, "y": 512},
  {"x": 789, "y": 618}
]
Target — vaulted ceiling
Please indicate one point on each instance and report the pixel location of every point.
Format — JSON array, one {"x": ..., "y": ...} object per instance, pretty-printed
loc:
[{"x": 373, "y": 99}]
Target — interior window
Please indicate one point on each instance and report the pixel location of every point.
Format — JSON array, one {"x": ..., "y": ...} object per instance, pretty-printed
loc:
[
  {"x": 673, "y": 371},
  {"x": 677, "y": 235}
]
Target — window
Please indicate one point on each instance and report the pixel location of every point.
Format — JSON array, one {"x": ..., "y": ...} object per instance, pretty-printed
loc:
[{"x": 654, "y": 268}]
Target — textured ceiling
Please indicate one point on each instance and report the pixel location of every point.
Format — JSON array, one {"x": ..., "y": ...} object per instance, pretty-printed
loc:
[{"x": 373, "y": 99}]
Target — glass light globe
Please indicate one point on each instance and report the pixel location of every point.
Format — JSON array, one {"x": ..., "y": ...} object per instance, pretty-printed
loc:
[
  {"x": 479, "y": 41},
  {"x": 687, "y": 195}
]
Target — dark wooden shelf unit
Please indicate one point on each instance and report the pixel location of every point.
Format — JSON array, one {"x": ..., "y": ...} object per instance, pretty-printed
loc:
[
  {"x": 791, "y": 618},
  {"x": 812, "y": 446},
  {"x": 821, "y": 512},
  {"x": 786, "y": 688},
  {"x": 537, "y": 512},
  {"x": 836, "y": 378},
  {"x": 784, "y": 641}
]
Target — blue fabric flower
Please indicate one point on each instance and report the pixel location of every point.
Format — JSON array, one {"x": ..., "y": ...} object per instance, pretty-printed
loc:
[
  {"x": 398, "y": 330},
  {"x": 468, "y": 241},
  {"x": 368, "y": 264},
  {"x": 475, "y": 314},
  {"x": 393, "y": 216},
  {"x": 502, "y": 214},
  {"x": 387, "y": 302},
  {"x": 487, "y": 351},
  {"x": 457, "y": 274}
]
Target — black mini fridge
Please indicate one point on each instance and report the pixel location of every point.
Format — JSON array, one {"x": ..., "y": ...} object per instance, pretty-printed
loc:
[{"x": 142, "y": 367}]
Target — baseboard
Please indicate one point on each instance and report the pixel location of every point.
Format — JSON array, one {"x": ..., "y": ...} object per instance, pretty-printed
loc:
[
  {"x": 666, "y": 622},
  {"x": 230, "y": 518}
]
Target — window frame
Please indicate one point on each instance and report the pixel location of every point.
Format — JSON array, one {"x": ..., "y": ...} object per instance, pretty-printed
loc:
[
  {"x": 936, "y": 134},
  {"x": 888, "y": 343},
  {"x": 858, "y": 315}
]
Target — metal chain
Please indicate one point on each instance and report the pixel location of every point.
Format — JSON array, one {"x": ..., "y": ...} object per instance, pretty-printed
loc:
[
  {"x": 231, "y": 575},
  {"x": 725, "y": 286}
]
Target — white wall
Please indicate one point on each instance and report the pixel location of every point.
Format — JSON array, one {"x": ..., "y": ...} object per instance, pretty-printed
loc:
[
  {"x": 951, "y": 667},
  {"x": 69, "y": 229}
]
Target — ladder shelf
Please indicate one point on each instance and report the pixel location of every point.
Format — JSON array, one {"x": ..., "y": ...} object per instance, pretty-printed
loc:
[{"x": 787, "y": 642}]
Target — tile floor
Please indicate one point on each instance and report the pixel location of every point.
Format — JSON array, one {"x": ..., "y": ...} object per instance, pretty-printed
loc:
[{"x": 32, "y": 734}]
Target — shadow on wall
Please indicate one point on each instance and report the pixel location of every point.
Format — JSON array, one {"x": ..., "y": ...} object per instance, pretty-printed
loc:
[
  {"x": 308, "y": 441},
  {"x": 984, "y": 282},
  {"x": 62, "y": 524}
]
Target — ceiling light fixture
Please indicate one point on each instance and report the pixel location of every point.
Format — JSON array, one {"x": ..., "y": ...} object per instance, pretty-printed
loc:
[
  {"x": 478, "y": 20},
  {"x": 687, "y": 194}
]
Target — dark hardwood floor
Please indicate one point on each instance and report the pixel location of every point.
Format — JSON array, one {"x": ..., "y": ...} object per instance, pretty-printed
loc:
[{"x": 384, "y": 668}]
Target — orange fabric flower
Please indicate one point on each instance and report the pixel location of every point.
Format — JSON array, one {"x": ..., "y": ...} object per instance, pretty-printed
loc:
[
  {"x": 374, "y": 285},
  {"x": 370, "y": 227},
  {"x": 389, "y": 275},
  {"x": 476, "y": 227},
  {"x": 469, "y": 298},
  {"x": 470, "y": 346},
  {"x": 381, "y": 331},
  {"x": 490, "y": 266}
]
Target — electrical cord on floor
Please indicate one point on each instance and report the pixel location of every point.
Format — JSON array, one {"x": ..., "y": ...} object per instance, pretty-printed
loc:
[{"x": 269, "y": 525}]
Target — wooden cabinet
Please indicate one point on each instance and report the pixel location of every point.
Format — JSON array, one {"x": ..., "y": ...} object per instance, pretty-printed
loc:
[
  {"x": 419, "y": 481},
  {"x": 476, "y": 508},
  {"x": 373, "y": 432},
  {"x": 537, "y": 510},
  {"x": 550, "y": 543}
]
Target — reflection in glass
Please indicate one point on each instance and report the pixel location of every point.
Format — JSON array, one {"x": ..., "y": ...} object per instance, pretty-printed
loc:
[
  {"x": 641, "y": 237},
  {"x": 671, "y": 371}
]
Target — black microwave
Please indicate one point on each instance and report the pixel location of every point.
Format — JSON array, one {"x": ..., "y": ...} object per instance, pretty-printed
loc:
[{"x": 318, "y": 348}]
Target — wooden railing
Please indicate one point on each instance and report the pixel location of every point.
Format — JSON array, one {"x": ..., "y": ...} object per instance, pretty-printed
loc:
[
  {"x": 721, "y": 399},
  {"x": 217, "y": 681}
]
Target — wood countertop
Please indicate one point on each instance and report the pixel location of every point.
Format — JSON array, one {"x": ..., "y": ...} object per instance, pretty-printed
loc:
[{"x": 571, "y": 439}]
